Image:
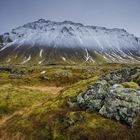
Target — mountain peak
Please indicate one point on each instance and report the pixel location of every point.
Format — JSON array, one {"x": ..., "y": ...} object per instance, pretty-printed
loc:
[
  {"x": 51, "y": 41},
  {"x": 72, "y": 23},
  {"x": 41, "y": 20}
]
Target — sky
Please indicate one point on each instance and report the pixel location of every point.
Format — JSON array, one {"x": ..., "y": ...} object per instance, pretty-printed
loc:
[{"x": 106, "y": 13}]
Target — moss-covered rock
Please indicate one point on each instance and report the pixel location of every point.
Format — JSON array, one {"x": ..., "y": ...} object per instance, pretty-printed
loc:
[
  {"x": 111, "y": 99},
  {"x": 131, "y": 85},
  {"x": 122, "y": 104}
]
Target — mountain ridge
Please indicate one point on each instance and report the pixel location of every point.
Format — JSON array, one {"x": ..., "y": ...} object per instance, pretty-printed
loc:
[{"x": 49, "y": 42}]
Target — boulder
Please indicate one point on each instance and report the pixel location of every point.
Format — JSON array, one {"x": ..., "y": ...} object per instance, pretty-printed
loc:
[
  {"x": 122, "y": 104},
  {"x": 92, "y": 99}
]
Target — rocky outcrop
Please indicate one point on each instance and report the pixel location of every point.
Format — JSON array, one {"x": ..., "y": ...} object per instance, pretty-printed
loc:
[
  {"x": 111, "y": 99},
  {"x": 122, "y": 104},
  {"x": 93, "y": 98},
  {"x": 14, "y": 70}
]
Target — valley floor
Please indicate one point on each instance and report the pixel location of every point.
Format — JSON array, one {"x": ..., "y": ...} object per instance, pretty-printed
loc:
[{"x": 36, "y": 104}]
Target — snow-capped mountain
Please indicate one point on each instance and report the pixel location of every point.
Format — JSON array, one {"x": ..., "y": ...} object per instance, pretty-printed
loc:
[{"x": 49, "y": 42}]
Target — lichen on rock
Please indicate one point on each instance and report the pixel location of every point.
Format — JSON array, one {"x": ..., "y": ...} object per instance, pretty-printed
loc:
[
  {"x": 112, "y": 99},
  {"x": 122, "y": 104}
]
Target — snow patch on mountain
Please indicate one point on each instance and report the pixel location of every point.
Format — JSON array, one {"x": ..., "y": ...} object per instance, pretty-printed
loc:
[
  {"x": 63, "y": 58},
  {"x": 41, "y": 52},
  {"x": 26, "y": 60}
]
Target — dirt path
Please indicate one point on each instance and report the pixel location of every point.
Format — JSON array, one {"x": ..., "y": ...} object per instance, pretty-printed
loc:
[{"x": 50, "y": 89}]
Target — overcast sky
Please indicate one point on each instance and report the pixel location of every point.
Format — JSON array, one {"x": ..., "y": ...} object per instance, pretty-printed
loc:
[{"x": 108, "y": 13}]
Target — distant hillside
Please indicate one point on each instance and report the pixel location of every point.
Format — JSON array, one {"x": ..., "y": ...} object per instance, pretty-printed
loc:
[{"x": 49, "y": 42}]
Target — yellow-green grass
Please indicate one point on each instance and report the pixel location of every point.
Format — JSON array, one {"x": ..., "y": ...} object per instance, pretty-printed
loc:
[
  {"x": 131, "y": 85},
  {"x": 60, "y": 75},
  {"x": 13, "y": 98},
  {"x": 51, "y": 118}
]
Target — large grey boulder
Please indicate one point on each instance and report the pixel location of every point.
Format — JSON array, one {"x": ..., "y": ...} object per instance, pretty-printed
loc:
[
  {"x": 92, "y": 99},
  {"x": 122, "y": 104}
]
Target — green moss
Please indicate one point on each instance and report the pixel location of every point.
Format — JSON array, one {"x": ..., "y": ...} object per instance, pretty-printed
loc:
[
  {"x": 131, "y": 85},
  {"x": 14, "y": 98},
  {"x": 75, "y": 89}
]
